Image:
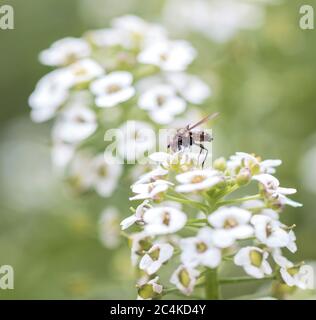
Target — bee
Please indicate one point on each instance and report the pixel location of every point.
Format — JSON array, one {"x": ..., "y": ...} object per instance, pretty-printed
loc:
[{"x": 185, "y": 137}]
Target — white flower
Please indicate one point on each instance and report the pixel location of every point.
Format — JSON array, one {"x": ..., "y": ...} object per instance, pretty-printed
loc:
[
  {"x": 251, "y": 162},
  {"x": 200, "y": 250},
  {"x": 292, "y": 243},
  {"x": 84, "y": 71},
  {"x": 254, "y": 261},
  {"x": 105, "y": 37},
  {"x": 149, "y": 290},
  {"x": 65, "y": 51},
  {"x": 156, "y": 256},
  {"x": 50, "y": 93},
  {"x": 75, "y": 124},
  {"x": 141, "y": 242},
  {"x": 137, "y": 33},
  {"x": 283, "y": 200},
  {"x": 294, "y": 276},
  {"x": 169, "y": 203},
  {"x": 274, "y": 192},
  {"x": 113, "y": 89},
  {"x": 151, "y": 176},
  {"x": 183, "y": 160},
  {"x": 137, "y": 217},
  {"x": 163, "y": 220},
  {"x": 198, "y": 180},
  {"x": 230, "y": 223},
  {"x": 189, "y": 87},
  {"x": 168, "y": 55},
  {"x": 270, "y": 213},
  {"x": 271, "y": 232},
  {"x": 162, "y": 103},
  {"x": 109, "y": 229},
  {"x": 135, "y": 140},
  {"x": 43, "y": 114},
  {"x": 268, "y": 166},
  {"x": 184, "y": 278},
  {"x": 106, "y": 173},
  {"x": 151, "y": 190},
  {"x": 279, "y": 259},
  {"x": 272, "y": 184}
]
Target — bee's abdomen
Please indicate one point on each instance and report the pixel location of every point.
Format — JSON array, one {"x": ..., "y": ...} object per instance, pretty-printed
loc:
[
  {"x": 202, "y": 136},
  {"x": 207, "y": 137}
]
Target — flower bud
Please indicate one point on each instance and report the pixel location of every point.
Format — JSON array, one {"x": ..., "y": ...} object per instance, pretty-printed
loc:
[
  {"x": 243, "y": 176},
  {"x": 220, "y": 164},
  {"x": 254, "y": 168}
]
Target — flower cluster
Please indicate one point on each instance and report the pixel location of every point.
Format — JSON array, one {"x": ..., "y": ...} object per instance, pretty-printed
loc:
[
  {"x": 133, "y": 71},
  {"x": 190, "y": 216}
]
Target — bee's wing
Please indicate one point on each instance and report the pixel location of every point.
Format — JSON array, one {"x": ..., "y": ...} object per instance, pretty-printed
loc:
[{"x": 207, "y": 118}]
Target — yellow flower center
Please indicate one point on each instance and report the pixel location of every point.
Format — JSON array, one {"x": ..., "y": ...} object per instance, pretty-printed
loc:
[
  {"x": 163, "y": 56},
  {"x": 80, "y": 119},
  {"x": 161, "y": 100},
  {"x": 293, "y": 271},
  {"x": 102, "y": 171},
  {"x": 197, "y": 179},
  {"x": 255, "y": 258},
  {"x": 145, "y": 244},
  {"x": 230, "y": 223},
  {"x": 268, "y": 230},
  {"x": 166, "y": 218},
  {"x": 201, "y": 247},
  {"x": 113, "y": 88},
  {"x": 79, "y": 71},
  {"x": 146, "y": 291},
  {"x": 155, "y": 254},
  {"x": 71, "y": 57},
  {"x": 184, "y": 278}
]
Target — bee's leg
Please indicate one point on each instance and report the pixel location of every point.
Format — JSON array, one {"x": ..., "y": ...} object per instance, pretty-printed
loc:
[
  {"x": 201, "y": 149},
  {"x": 191, "y": 141},
  {"x": 179, "y": 143}
]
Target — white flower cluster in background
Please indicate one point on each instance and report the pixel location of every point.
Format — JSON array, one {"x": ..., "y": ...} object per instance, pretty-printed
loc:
[
  {"x": 219, "y": 20},
  {"x": 205, "y": 224},
  {"x": 130, "y": 71}
]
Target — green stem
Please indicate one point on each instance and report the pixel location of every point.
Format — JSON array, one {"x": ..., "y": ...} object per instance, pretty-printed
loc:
[
  {"x": 175, "y": 289},
  {"x": 198, "y": 226},
  {"x": 125, "y": 235},
  {"x": 232, "y": 201},
  {"x": 212, "y": 291},
  {"x": 243, "y": 279},
  {"x": 197, "y": 221},
  {"x": 188, "y": 202}
]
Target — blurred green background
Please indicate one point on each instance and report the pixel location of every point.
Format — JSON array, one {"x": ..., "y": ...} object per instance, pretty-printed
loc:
[{"x": 264, "y": 86}]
